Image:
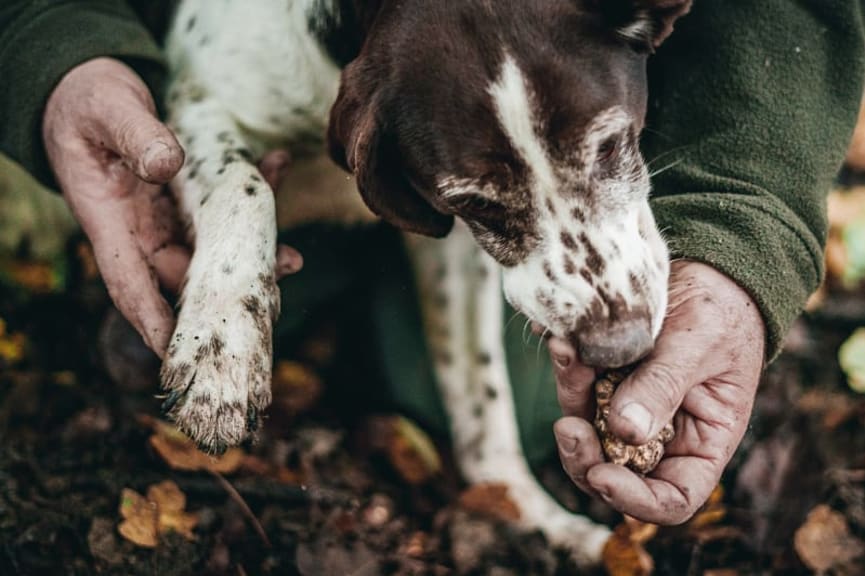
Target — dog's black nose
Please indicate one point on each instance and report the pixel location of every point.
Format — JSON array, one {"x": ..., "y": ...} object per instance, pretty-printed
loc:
[{"x": 614, "y": 345}]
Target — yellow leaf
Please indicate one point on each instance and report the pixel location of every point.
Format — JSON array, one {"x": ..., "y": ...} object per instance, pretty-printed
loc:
[
  {"x": 412, "y": 453},
  {"x": 140, "y": 519},
  {"x": 851, "y": 356},
  {"x": 12, "y": 346},
  {"x": 296, "y": 388},
  {"x": 162, "y": 511},
  {"x": 624, "y": 557}
]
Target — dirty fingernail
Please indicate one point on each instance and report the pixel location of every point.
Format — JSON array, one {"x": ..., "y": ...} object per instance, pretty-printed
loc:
[
  {"x": 155, "y": 163},
  {"x": 639, "y": 417},
  {"x": 567, "y": 444}
]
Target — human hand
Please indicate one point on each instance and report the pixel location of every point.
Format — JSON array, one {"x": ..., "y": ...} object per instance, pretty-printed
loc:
[
  {"x": 111, "y": 155},
  {"x": 703, "y": 374}
]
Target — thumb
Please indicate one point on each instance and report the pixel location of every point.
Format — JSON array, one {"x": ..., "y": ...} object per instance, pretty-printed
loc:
[
  {"x": 145, "y": 144},
  {"x": 649, "y": 398}
]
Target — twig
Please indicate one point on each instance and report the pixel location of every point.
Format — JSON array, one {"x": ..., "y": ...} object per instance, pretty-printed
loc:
[{"x": 244, "y": 507}]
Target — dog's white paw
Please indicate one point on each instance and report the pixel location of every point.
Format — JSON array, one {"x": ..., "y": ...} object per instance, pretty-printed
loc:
[{"x": 217, "y": 371}]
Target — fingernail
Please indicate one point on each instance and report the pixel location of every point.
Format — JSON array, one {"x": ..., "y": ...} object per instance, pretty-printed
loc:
[
  {"x": 567, "y": 444},
  {"x": 562, "y": 361},
  {"x": 152, "y": 159},
  {"x": 639, "y": 417}
]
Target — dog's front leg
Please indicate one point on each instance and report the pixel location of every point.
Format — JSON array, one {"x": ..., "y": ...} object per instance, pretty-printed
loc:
[
  {"x": 217, "y": 369},
  {"x": 462, "y": 308}
]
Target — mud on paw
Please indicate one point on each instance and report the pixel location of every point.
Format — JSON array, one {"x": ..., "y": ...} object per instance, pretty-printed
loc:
[{"x": 217, "y": 372}]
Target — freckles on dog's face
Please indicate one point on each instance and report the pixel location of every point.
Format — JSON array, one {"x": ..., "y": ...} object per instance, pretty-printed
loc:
[{"x": 570, "y": 222}]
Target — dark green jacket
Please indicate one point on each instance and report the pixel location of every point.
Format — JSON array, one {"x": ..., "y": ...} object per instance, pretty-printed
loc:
[{"x": 752, "y": 104}]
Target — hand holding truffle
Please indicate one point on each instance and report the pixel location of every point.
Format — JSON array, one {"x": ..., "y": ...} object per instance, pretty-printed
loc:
[{"x": 702, "y": 376}]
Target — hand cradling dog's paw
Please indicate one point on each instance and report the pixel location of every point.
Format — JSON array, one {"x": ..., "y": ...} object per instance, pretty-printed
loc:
[{"x": 641, "y": 459}]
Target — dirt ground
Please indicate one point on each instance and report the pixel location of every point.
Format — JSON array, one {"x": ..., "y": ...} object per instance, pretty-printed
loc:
[{"x": 92, "y": 482}]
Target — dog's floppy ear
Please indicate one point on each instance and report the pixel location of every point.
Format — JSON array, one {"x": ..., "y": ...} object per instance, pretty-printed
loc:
[
  {"x": 645, "y": 24},
  {"x": 359, "y": 144}
]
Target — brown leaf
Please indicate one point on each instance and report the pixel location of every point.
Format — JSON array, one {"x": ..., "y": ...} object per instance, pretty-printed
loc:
[
  {"x": 824, "y": 541},
  {"x": 409, "y": 450},
  {"x": 622, "y": 556},
  {"x": 296, "y": 388},
  {"x": 162, "y": 511},
  {"x": 140, "y": 519},
  {"x": 180, "y": 453},
  {"x": 170, "y": 503},
  {"x": 835, "y": 408},
  {"x": 37, "y": 277},
  {"x": 712, "y": 512},
  {"x": 640, "y": 532},
  {"x": 89, "y": 269},
  {"x": 490, "y": 500}
]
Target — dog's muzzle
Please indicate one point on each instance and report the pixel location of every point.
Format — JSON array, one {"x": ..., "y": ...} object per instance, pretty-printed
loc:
[{"x": 616, "y": 344}]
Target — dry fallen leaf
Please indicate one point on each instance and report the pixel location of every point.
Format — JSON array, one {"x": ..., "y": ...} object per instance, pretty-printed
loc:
[
  {"x": 140, "y": 519},
  {"x": 835, "y": 408},
  {"x": 623, "y": 556},
  {"x": 180, "y": 452},
  {"x": 491, "y": 500},
  {"x": 37, "y": 277},
  {"x": 408, "y": 448},
  {"x": 851, "y": 356},
  {"x": 170, "y": 505},
  {"x": 845, "y": 246},
  {"x": 712, "y": 512},
  {"x": 12, "y": 346},
  {"x": 824, "y": 541},
  {"x": 296, "y": 388},
  {"x": 162, "y": 511}
]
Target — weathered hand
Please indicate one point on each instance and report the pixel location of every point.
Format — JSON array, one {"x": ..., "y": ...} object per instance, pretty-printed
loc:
[
  {"x": 111, "y": 155},
  {"x": 704, "y": 369}
]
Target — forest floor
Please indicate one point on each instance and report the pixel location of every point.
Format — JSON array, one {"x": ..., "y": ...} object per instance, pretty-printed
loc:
[{"x": 92, "y": 481}]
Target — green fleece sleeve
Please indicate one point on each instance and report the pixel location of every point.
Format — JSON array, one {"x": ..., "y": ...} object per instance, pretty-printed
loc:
[
  {"x": 752, "y": 105},
  {"x": 41, "y": 40}
]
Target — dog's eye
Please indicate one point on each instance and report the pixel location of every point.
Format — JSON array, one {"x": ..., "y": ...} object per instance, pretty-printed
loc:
[
  {"x": 608, "y": 150},
  {"x": 479, "y": 209},
  {"x": 473, "y": 204}
]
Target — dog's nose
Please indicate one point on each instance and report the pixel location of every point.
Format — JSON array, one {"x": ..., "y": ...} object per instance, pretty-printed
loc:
[{"x": 615, "y": 345}]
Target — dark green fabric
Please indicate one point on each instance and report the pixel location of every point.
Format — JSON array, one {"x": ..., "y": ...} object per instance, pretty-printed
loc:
[
  {"x": 365, "y": 273},
  {"x": 756, "y": 101},
  {"x": 41, "y": 40}
]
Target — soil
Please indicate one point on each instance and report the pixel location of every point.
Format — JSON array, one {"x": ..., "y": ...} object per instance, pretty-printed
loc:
[{"x": 319, "y": 494}]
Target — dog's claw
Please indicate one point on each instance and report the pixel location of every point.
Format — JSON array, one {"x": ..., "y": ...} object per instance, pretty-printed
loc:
[
  {"x": 171, "y": 401},
  {"x": 252, "y": 420}
]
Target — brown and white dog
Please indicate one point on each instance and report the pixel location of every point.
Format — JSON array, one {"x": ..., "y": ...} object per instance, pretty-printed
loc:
[{"x": 517, "y": 119}]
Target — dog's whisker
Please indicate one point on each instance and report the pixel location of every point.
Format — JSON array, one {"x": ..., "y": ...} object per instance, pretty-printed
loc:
[
  {"x": 665, "y": 168},
  {"x": 667, "y": 153},
  {"x": 527, "y": 332},
  {"x": 511, "y": 319}
]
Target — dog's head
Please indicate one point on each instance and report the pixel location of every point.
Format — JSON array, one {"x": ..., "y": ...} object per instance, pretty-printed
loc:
[{"x": 522, "y": 119}]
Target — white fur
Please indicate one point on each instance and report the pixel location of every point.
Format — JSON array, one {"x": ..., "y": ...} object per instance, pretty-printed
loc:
[
  {"x": 514, "y": 109},
  {"x": 616, "y": 215},
  {"x": 460, "y": 289}
]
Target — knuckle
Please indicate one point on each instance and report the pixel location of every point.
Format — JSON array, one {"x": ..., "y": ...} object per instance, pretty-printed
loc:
[{"x": 662, "y": 385}]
